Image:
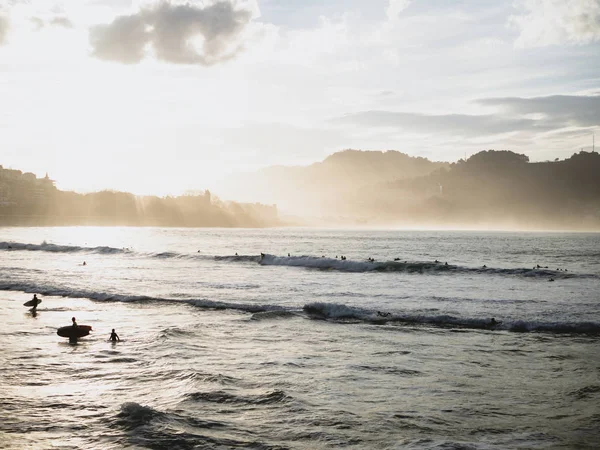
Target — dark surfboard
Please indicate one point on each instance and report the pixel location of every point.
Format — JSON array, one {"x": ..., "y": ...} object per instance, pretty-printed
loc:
[
  {"x": 71, "y": 332},
  {"x": 32, "y": 302}
]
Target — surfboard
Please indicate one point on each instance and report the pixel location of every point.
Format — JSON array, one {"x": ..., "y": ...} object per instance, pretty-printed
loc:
[
  {"x": 69, "y": 331},
  {"x": 32, "y": 302}
]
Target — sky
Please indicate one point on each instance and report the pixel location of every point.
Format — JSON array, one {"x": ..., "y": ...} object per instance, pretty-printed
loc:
[{"x": 160, "y": 97}]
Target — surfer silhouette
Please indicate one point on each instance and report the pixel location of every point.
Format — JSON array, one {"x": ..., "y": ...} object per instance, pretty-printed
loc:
[
  {"x": 35, "y": 302},
  {"x": 493, "y": 322},
  {"x": 114, "y": 337},
  {"x": 73, "y": 336}
]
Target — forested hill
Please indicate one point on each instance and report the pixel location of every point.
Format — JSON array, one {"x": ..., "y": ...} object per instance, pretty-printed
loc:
[
  {"x": 498, "y": 188},
  {"x": 28, "y": 200},
  {"x": 491, "y": 189}
]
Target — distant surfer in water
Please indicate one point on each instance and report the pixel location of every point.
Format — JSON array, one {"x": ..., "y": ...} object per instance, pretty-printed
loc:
[
  {"x": 74, "y": 322},
  {"x": 494, "y": 322},
  {"x": 114, "y": 336}
]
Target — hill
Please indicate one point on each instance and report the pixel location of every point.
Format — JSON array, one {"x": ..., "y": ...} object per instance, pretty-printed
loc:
[
  {"x": 328, "y": 186},
  {"x": 26, "y": 200}
]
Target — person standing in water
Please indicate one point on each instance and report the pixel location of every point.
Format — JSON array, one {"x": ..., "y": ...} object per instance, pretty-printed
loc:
[
  {"x": 73, "y": 337},
  {"x": 36, "y": 301},
  {"x": 114, "y": 336}
]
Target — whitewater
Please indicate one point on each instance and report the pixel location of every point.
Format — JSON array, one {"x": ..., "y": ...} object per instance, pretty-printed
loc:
[{"x": 269, "y": 339}]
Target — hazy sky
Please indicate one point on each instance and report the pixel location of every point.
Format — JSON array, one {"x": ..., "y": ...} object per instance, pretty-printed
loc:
[{"x": 159, "y": 97}]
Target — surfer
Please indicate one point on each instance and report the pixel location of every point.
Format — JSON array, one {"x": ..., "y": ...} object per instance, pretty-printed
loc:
[
  {"x": 114, "y": 336},
  {"x": 493, "y": 323},
  {"x": 35, "y": 301},
  {"x": 73, "y": 336},
  {"x": 84, "y": 264}
]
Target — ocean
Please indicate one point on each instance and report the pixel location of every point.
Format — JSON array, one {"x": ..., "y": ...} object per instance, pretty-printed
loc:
[{"x": 268, "y": 339}]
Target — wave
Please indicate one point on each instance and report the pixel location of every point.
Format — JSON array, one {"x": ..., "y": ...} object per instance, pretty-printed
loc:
[
  {"x": 344, "y": 313},
  {"x": 147, "y": 427},
  {"x": 61, "y": 291},
  {"x": 418, "y": 267},
  {"x": 225, "y": 397},
  {"x": 54, "y": 248},
  {"x": 312, "y": 262},
  {"x": 323, "y": 311}
]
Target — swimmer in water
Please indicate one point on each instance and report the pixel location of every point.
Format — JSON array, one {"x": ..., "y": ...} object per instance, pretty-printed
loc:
[{"x": 114, "y": 337}]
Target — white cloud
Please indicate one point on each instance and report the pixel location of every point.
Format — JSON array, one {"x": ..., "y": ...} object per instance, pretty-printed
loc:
[
  {"x": 559, "y": 111},
  {"x": 548, "y": 22},
  {"x": 177, "y": 33},
  {"x": 3, "y": 29},
  {"x": 395, "y": 7}
]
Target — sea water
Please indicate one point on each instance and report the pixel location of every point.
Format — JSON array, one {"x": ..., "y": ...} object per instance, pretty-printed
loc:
[{"x": 268, "y": 339}]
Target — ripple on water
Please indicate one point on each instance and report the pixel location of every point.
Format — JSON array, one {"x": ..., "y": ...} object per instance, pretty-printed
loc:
[{"x": 586, "y": 392}]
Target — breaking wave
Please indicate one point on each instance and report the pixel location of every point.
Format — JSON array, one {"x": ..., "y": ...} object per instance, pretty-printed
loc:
[
  {"x": 418, "y": 267},
  {"x": 106, "y": 250},
  {"x": 54, "y": 248},
  {"x": 311, "y": 262},
  {"x": 334, "y": 312},
  {"x": 340, "y": 312}
]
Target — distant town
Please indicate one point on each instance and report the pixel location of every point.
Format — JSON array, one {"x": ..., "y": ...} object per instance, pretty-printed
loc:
[{"x": 26, "y": 200}]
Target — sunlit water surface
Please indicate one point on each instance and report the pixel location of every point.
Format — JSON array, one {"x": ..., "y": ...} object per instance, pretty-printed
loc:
[{"x": 308, "y": 351}]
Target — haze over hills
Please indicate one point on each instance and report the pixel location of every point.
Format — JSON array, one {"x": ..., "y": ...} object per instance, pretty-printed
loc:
[
  {"x": 30, "y": 201},
  {"x": 317, "y": 189},
  {"x": 491, "y": 189}
]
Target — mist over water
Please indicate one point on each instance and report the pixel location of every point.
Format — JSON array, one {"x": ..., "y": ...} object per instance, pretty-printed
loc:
[{"x": 225, "y": 348}]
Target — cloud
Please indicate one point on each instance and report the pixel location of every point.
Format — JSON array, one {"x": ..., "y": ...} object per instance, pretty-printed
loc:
[
  {"x": 454, "y": 124},
  {"x": 548, "y": 22},
  {"x": 178, "y": 33},
  {"x": 122, "y": 41},
  {"x": 556, "y": 110},
  {"x": 528, "y": 118},
  {"x": 38, "y": 23},
  {"x": 61, "y": 21},
  {"x": 3, "y": 29},
  {"x": 395, "y": 7}
]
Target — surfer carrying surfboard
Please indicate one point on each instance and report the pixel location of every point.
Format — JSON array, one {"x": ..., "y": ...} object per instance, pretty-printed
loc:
[
  {"x": 73, "y": 337},
  {"x": 35, "y": 301}
]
